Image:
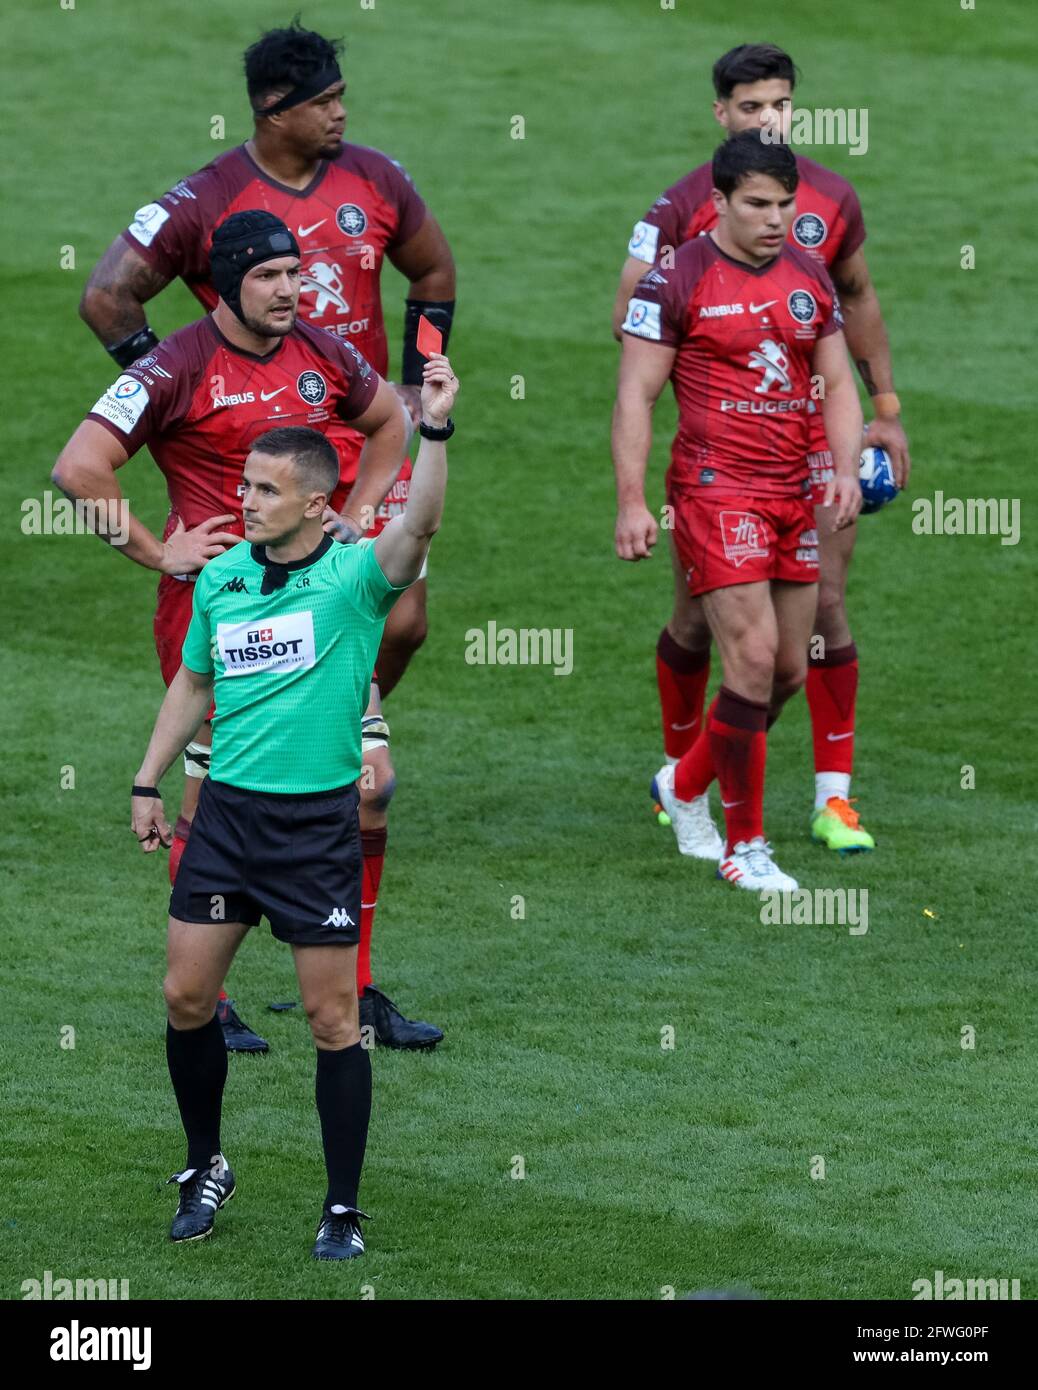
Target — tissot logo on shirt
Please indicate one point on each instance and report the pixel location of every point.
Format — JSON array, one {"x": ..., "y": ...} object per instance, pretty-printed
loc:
[
  {"x": 643, "y": 319},
  {"x": 123, "y": 403},
  {"x": 280, "y": 643}
]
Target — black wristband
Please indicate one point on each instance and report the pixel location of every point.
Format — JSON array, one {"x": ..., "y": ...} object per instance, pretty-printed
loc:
[
  {"x": 431, "y": 432},
  {"x": 440, "y": 314},
  {"x": 146, "y": 791},
  {"x": 136, "y": 345}
]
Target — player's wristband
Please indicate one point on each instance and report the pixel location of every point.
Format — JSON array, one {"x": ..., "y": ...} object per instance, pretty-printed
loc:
[
  {"x": 431, "y": 431},
  {"x": 441, "y": 315},
  {"x": 146, "y": 791},
  {"x": 886, "y": 405},
  {"x": 136, "y": 345}
]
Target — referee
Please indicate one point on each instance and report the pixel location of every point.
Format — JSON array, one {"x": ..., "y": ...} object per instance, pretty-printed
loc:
[{"x": 285, "y": 626}]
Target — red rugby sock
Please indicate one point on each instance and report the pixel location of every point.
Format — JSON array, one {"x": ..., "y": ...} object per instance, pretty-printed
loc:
[
  {"x": 832, "y": 688},
  {"x": 373, "y": 845},
  {"x": 695, "y": 771},
  {"x": 739, "y": 744},
  {"x": 681, "y": 675}
]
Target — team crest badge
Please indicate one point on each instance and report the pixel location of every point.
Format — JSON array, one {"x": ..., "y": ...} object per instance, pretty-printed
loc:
[
  {"x": 809, "y": 230},
  {"x": 312, "y": 387},
  {"x": 351, "y": 219},
  {"x": 802, "y": 306}
]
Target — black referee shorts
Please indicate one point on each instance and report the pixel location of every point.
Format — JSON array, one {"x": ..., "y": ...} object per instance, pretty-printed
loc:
[{"x": 295, "y": 860}]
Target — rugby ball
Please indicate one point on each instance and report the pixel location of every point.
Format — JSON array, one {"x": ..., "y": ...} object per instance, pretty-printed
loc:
[{"x": 877, "y": 480}]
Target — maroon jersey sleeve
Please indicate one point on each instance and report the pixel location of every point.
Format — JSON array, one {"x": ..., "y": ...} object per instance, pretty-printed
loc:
[
  {"x": 355, "y": 377},
  {"x": 149, "y": 398},
  {"x": 395, "y": 185},
  {"x": 669, "y": 222},
  {"x": 173, "y": 233},
  {"x": 854, "y": 232},
  {"x": 656, "y": 310}
]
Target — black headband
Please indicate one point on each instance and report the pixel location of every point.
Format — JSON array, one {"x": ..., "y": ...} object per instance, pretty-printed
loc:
[{"x": 312, "y": 87}]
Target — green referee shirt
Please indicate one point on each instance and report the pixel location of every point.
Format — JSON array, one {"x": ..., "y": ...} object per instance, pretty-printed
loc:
[{"x": 292, "y": 668}]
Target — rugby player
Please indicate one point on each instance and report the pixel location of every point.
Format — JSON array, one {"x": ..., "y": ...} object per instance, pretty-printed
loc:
[
  {"x": 754, "y": 85},
  {"x": 284, "y": 633},
  {"x": 349, "y": 207},
  {"x": 744, "y": 325},
  {"x": 206, "y": 392}
]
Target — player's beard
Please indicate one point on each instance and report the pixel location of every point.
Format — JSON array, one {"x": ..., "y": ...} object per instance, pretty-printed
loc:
[{"x": 264, "y": 329}]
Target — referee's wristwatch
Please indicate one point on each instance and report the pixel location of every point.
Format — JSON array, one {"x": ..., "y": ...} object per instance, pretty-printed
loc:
[{"x": 436, "y": 431}]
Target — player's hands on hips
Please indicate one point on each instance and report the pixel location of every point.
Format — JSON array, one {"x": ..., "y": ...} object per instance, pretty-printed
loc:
[
  {"x": 636, "y": 532},
  {"x": 890, "y": 434},
  {"x": 148, "y": 822},
  {"x": 439, "y": 388},
  {"x": 410, "y": 398},
  {"x": 187, "y": 551},
  {"x": 843, "y": 491}
]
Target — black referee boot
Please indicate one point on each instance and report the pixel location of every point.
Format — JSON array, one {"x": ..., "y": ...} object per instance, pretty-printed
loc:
[
  {"x": 339, "y": 1235},
  {"x": 238, "y": 1036},
  {"x": 391, "y": 1028},
  {"x": 203, "y": 1191}
]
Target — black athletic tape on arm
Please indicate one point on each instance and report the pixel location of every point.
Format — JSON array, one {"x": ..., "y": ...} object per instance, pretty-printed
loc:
[
  {"x": 136, "y": 345},
  {"x": 146, "y": 791},
  {"x": 441, "y": 315}
]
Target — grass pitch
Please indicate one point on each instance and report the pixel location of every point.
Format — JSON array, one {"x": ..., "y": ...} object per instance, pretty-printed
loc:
[{"x": 644, "y": 1167}]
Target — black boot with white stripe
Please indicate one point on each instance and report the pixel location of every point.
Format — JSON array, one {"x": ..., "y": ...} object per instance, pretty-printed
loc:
[
  {"x": 339, "y": 1235},
  {"x": 203, "y": 1191}
]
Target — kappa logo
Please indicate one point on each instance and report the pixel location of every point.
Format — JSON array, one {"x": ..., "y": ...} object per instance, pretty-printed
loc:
[
  {"x": 772, "y": 359},
  {"x": 235, "y": 585},
  {"x": 809, "y": 229},
  {"x": 802, "y": 306},
  {"x": 351, "y": 219},
  {"x": 338, "y": 917},
  {"x": 744, "y": 536},
  {"x": 312, "y": 387},
  {"x": 323, "y": 279}
]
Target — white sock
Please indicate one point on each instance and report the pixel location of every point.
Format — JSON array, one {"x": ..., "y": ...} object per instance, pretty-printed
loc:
[{"x": 829, "y": 784}]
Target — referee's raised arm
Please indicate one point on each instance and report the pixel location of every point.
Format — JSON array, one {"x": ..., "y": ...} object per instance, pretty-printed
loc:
[{"x": 402, "y": 547}]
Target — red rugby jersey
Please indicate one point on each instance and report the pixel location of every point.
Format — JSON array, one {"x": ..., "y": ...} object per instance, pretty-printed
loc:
[
  {"x": 355, "y": 208},
  {"x": 828, "y": 225},
  {"x": 198, "y": 402},
  {"x": 745, "y": 338}
]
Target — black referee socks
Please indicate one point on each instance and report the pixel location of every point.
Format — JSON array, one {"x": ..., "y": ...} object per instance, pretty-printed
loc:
[
  {"x": 197, "y": 1060},
  {"x": 344, "y": 1105}
]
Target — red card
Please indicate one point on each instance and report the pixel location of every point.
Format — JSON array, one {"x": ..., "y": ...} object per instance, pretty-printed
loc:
[{"x": 430, "y": 339}]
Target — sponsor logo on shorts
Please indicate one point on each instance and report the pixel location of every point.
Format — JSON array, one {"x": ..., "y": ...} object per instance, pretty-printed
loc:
[
  {"x": 643, "y": 319},
  {"x": 744, "y": 536},
  {"x": 801, "y": 305},
  {"x": 123, "y": 403},
  {"x": 809, "y": 229},
  {"x": 338, "y": 917},
  {"x": 351, "y": 219},
  {"x": 312, "y": 387},
  {"x": 281, "y": 643}
]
